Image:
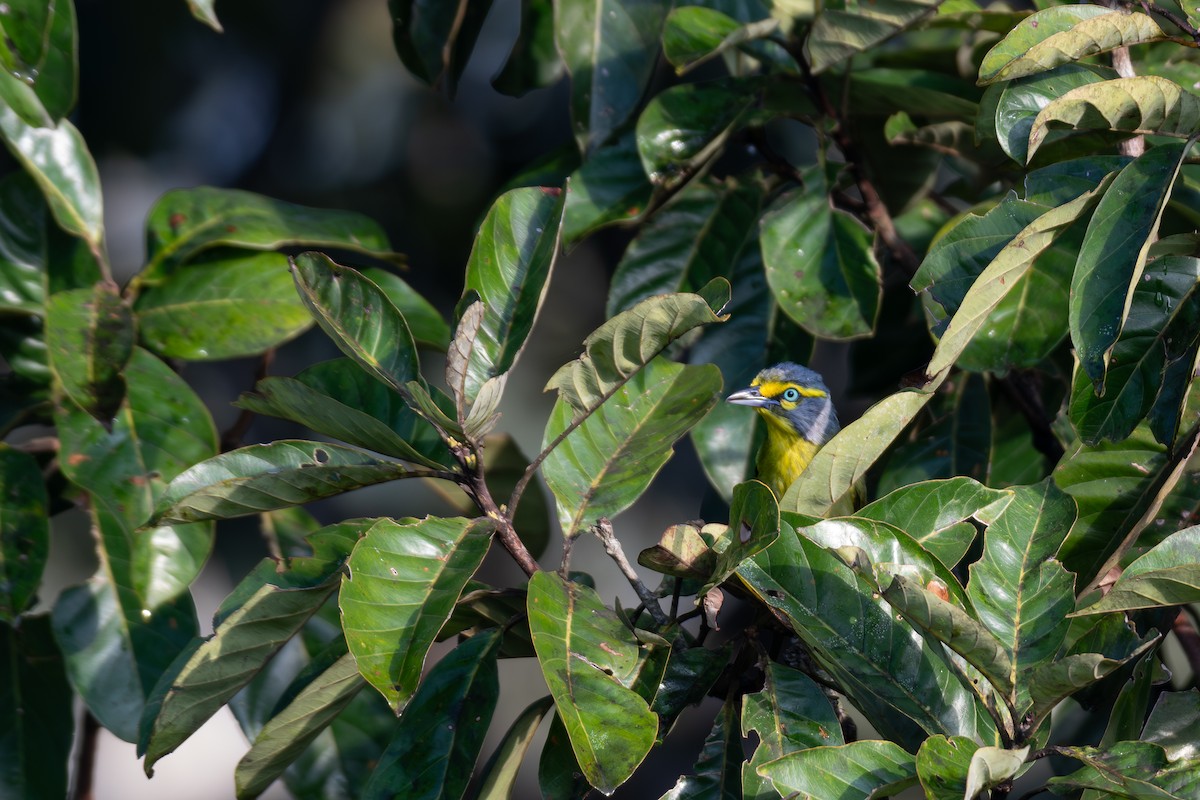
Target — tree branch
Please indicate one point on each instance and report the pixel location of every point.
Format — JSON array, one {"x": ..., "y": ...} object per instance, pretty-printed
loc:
[
  {"x": 231, "y": 439},
  {"x": 1189, "y": 640},
  {"x": 85, "y": 765},
  {"x": 604, "y": 532}
]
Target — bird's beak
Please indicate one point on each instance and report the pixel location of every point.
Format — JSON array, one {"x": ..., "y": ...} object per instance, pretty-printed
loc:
[{"x": 749, "y": 396}]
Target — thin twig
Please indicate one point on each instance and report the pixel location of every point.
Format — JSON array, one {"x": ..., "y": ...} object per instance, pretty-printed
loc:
[
  {"x": 86, "y": 763},
  {"x": 1178, "y": 21},
  {"x": 474, "y": 483},
  {"x": 1189, "y": 640},
  {"x": 604, "y": 532},
  {"x": 231, "y": 439},
  {"x": 39, "y": 444}
]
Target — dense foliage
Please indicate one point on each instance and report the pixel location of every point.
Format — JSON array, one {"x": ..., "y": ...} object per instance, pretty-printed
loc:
[{"x": 997, "y": 208}]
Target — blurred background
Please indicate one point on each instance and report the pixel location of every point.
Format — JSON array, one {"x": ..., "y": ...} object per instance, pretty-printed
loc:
[{"x": 306, "y": 101}]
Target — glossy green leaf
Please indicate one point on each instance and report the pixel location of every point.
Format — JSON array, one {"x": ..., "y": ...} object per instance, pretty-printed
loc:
[
  {"x": 500, "y": 773},
  {"x": 264, "y": 477},
  {"x": 435, "y": 39},
  {"x": 610, "y": 48},
  {"x": 686, "y": 681},
  {"x": 230, "y": 306},
  {"x": 509, "y": 270},
  {"x": 859, "y": 641},
  {"x": 1134, "y": 770},
  {"x": 1167, "y": 574},
  {"x": 938, "y": 514},
  {"x": 1161, "y": 327},
  {"x": 618, "y": 349},
  {"x": 293, "y": 729},
  {"x": 856, "y": 771},
  {"x": 609, "y": 460},
  {"x": 1129, "y": 708},
  {"x": 39, "y": 53},
  {"x": 609, "y": 187},
  {"x": 203, "y": 11},
  {"x": 426, "y": 322},
  {"x": 35, "y": 710},
  {"x": 820, "y": 263},
  {"x": 840, "y": 32},
  {"x": 1146, "y": 104},
  {"x": 693, "y": 35},
  {"x": 533, "y": 62},
  {"x": 690, "y": 241},
  {"x": 559, "y": 775},
  {"x": 685, "y": 125},
  {"x": 1051, "y": 683},
  {"x": 1063, "y": 34},
  {"x": 845, "y": 459},
  {"x": 405, "y": 577},
  {"x": 116, "y": 650},
  {"x": 262, "y": 613},
  {"x": 59, "y": 161},
  {"x": 790, "y": 714},
  {"x": 942, "y": 764},
  {"x": 587, "y": 656},
  {"x": 753, "y": 526},
  {"x": 718, "y": 770},
  {"x": 185, "y": 222},
  {"x": 1021, "y": 593},
  {"x": 22, "y": 246},
  {"x": 24, "y": 531},
  {"x": 433, "y": 752},
  {"x": 1174, "y": 723},
  {"x": 1113, "y": 254},
  {"x": 360, "y": 318},
  {"x": 338, "y": 399},
  {"x": 89, "y": 338},
  {"x": 1022, "y": 100}
]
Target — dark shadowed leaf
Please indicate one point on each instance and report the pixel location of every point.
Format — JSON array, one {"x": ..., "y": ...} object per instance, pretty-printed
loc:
[
  {"x": 718, "y": 771},
  {"x": 610, "y": 187},
  {"x": 753, "y": 526},
  {"x": 405, "y": 577},
  {"x": 231, "y": 305},
  {"x": 433, "y": 40},
  {"x": 89, "y": 338},
  {"x": 856, "y": 771},
  {"x": 500, "y": 773},
  {"x": 840, "y": 32},
  {"x": 694, "y": 35},
  {"x": 1168, "y": 574},
  {"x": 1133, "y": 770},
  {"x": 588, "y": 657},
  {"x": 23, "y": 264},
  {"x": 39, "y": 56},
  {"x": 533, "y": 62},
  {"x": 24, "y": 531}
]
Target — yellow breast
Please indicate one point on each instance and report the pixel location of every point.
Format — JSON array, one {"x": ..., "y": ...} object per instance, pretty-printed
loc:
[{"x": 783, "y": 456}]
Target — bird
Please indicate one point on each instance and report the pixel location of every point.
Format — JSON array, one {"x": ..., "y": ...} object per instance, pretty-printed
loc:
[{"x": 795, "y": 403}]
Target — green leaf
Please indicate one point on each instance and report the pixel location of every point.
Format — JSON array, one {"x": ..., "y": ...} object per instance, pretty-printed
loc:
[
  {"x": 718, "y": 770},
  {"x": 610, "y": 48},
  {"x": 937, "y": 513},
  {"x": 426, "y": 322},
  {"x": 432, "y": 754},
  {"x": 856, "y": 771},
  {"x": 845, "y": 459},
  {"x": 533, "y": 62},
  {"x": 264, "y": 477},
  {"x": 360, "y": 318},
  {"x": 1020, "y": 592},
  {"x": 942, "y": 764},
  {"x": 59, "y": 161},
  {"x": 1052, "y": 682},
  {"x": 559, "y": 775},
  {"x": 185, "y": 222},
  {"x": 862, "y": 645},
  {"x": 89, "y": 338},
  {"x": 500, "y": 773},
  {"x": 231, "y": 305},
  {"x": 790, "y": 714},
  {"x": 686, "y": 244},
  {"x": 840, "y": 32},
  {"x": 338, "y": 399},
  {"x": 1161, "y": 328},
  {"x": 1144, "y": 105},
  {"x": 753, "y": 526},
  {"x": 39, "y": 55},
  {"x": 820, "y": 263},
  {"x": 203, "y": 11},
  {"x": 588, "y": 657},
  {"x": 1135, "y": 770},
  {"x": 1114, "y": 253},
  {"x": 694, "y": 35},
  {"x": 1063, "y": 34},
  {"x": 405, "y": 577},
  {"x": 262, "y": 613},
  {"x": 35, "y": 710},
  {"x": 1021, "y": 101},
  {"x": 433, "y": 40},
  {"x": 1167, "y": 574},
  {"x": 618, "y": 349},
  {"x": 609, "y": 460},
  {"x": 610, "y": 187},
  {"x": 992, "y": 766},
  {"x": 23, "y": 263},
  {"x": 24, "y": 531},
  {"x": 293, "y": 729},
  {"x": 1174, "y": 723},
  {"x": 509, "y": 270}
]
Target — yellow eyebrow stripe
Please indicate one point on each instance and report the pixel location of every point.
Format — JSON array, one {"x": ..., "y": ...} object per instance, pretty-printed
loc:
[{"x": 775, "y": 388}]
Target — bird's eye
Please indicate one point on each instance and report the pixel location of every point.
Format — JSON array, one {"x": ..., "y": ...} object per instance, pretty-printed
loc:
[{"x": 791, "y": 395}]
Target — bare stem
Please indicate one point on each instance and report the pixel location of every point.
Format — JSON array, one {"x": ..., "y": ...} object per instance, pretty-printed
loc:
[
  {"x": 475, "y": 485},
  {"x": 604, "y": 532},
  {"x": 231, "y": 439},
  {"x": 86, "y": 759},
  {"x": 1189, "y": 640}
]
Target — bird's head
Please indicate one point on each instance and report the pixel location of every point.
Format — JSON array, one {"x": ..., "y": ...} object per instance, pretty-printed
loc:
[{"x": 793, "y": 400}]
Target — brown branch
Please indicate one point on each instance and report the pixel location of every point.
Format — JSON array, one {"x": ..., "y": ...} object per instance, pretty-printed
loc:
[
  {"x": 231, "y": 439},
  {"x": 1178, "y": 21},
  {"x": 85, "y": 766},
  {"x": 473, "y": 482},
  {"x": 1189, "y": 640},
  {"x": 604, "y": 532}
]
